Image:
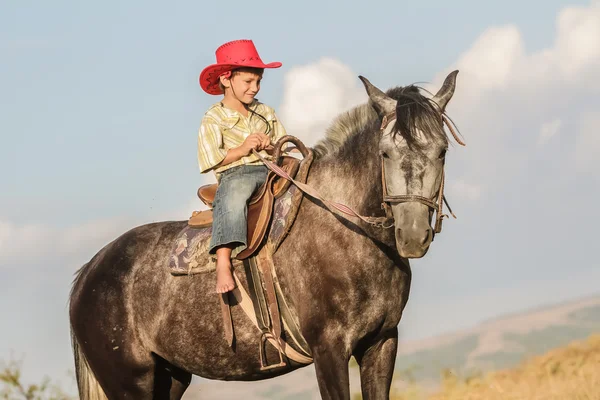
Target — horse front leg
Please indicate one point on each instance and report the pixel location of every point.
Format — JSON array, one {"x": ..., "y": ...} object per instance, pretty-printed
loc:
[
  {"x": 331, "y": 365},
  {"x": 377, "y": 361}
]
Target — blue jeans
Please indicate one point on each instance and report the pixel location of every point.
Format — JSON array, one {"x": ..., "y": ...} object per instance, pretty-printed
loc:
[{"x": 230, "y": 207}]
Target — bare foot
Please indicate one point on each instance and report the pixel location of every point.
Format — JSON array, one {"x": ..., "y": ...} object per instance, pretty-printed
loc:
[{"x": 225, "y": 281}]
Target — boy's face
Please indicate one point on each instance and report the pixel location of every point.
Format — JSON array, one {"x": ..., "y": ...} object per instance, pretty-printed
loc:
[{"x": 245, "y": 85}]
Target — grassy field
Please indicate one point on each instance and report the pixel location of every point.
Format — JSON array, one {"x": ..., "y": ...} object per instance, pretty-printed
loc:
[{"x": 571, "y": 372}]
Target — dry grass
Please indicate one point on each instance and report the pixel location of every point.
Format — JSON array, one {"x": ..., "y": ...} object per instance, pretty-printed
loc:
[{"x": 571, "y": 372}]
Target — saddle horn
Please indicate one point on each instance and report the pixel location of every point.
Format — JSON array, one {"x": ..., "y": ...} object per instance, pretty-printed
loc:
[{"x": 288, "y": 138}]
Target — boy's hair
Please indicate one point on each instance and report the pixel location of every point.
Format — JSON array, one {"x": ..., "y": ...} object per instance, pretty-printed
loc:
[{"x": 257, "y": 71}]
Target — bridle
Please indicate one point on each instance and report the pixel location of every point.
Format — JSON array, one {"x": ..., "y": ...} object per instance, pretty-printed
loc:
[{"x": 436, "y": 203}]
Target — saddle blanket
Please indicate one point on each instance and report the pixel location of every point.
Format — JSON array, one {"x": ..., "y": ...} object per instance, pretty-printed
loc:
[{"x": 190, "y": 251}]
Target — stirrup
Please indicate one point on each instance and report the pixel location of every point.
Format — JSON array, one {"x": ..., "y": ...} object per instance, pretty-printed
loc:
[{"x": 263, "y": 354}]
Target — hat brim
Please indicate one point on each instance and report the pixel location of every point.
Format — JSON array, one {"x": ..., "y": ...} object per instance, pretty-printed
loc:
[{"x": 209, "y": 77}]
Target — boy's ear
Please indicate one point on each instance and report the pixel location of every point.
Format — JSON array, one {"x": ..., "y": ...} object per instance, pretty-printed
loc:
[{"x": 225, "y": 81}]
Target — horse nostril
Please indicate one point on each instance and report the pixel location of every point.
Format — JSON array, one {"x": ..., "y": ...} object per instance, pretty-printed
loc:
[{"x": 426, "y": 238}]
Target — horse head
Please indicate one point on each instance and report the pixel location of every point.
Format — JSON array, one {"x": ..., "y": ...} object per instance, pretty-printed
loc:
[{"x": 412, "y": 148}]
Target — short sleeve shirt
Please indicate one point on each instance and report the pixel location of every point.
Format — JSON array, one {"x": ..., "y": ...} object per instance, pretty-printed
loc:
[{"x": 223, "y": 129}]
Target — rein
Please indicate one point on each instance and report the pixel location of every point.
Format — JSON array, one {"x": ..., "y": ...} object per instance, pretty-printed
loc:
[
  {"x": 331, "y": 205},
  {"x": 435, "y": 204}
]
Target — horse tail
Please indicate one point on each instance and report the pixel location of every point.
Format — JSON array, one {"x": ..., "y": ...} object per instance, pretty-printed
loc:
[{"x": 89, "y": 388}]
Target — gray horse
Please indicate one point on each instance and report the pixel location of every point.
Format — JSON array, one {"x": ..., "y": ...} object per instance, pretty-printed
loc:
[{"x": 140, "y": 333}]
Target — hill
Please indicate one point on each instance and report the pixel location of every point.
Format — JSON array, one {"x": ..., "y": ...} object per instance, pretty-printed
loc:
[
  {"x": 499, "y": 343},
  {"x": 571, "y": 372}
]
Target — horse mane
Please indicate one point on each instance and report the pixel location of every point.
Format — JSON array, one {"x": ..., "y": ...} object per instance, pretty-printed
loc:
[
  {"x": 414, "y": 113},
  {"x": 343, "y": 127}
]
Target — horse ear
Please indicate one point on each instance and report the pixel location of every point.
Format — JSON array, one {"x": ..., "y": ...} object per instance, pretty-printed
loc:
[
  {"x": 379, "y": 100},
  {"x": 443, "y": 96}
]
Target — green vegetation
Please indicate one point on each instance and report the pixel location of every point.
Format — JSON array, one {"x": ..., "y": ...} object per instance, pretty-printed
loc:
[{"x": 12, "y": 386}]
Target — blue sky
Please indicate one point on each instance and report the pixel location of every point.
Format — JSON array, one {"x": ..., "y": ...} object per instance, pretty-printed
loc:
[{"x": 100, "y": 108}]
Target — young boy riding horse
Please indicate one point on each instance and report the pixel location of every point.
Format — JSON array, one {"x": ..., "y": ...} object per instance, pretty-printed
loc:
[{"x": 230, "y": 130}]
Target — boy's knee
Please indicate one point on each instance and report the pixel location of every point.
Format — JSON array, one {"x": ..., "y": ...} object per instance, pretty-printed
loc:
[
  {"x": 234, "y": 202},
  {"x": 243, "y": 189}
]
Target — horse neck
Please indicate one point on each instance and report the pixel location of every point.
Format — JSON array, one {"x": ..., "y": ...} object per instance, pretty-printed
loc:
[{"x": 352, "y": 176}]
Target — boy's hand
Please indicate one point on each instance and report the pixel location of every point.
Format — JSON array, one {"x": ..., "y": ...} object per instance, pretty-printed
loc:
[
  {"x": 253, "y": 141},
  {"x": 265, "y": 141},
  {"x": 257, "y": 141}
]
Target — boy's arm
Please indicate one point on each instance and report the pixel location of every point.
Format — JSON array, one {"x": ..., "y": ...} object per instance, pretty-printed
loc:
[
  {"x": 210, "y": 145},
  {"x": 232, "y": 156}
]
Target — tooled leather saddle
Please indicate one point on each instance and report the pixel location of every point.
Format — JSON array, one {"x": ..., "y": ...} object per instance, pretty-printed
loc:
[{"x": 260, "y": 206}]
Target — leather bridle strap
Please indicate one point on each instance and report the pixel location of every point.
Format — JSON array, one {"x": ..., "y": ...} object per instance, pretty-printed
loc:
[
  {"x": 437, "y": 203},
  {"x": 381, "y": 222}
]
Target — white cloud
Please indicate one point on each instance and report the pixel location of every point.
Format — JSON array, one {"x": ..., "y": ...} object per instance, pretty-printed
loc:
[
  {"x": 315, "y": 94},
  {"x": 549, "y": 130},
  {"x": 578, "y": 40},
  {"x": 490, "y": 62},
  {"x": 28, "y": 243},
  {"x": 509, "y": 101},
  {"x": 498, "y": 58}
]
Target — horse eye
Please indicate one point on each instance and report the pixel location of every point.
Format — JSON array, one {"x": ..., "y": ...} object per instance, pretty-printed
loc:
[
  {"x": 442, "y": 154},
  {"x": 384, "y": 154}
]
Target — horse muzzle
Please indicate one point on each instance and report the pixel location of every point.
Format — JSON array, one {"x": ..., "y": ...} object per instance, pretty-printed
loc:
[{"x": 412, "y": 230}]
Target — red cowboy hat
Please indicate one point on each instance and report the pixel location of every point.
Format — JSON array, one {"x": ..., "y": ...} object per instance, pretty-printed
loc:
[{"x": 231, "y": 55}]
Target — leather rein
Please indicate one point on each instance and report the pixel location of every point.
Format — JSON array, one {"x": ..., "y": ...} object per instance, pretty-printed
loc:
[{"x": 435, "y": 204}]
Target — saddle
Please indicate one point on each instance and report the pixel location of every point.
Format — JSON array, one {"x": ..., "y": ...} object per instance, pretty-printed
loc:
[{"x": 260, "y": 206}]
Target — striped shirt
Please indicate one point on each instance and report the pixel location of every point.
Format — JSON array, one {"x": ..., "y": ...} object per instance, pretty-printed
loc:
[{"x": 223, "y": 129}]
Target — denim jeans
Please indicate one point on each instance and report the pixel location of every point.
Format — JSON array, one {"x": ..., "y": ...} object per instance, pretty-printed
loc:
[{"x": 230, "y": 207}]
